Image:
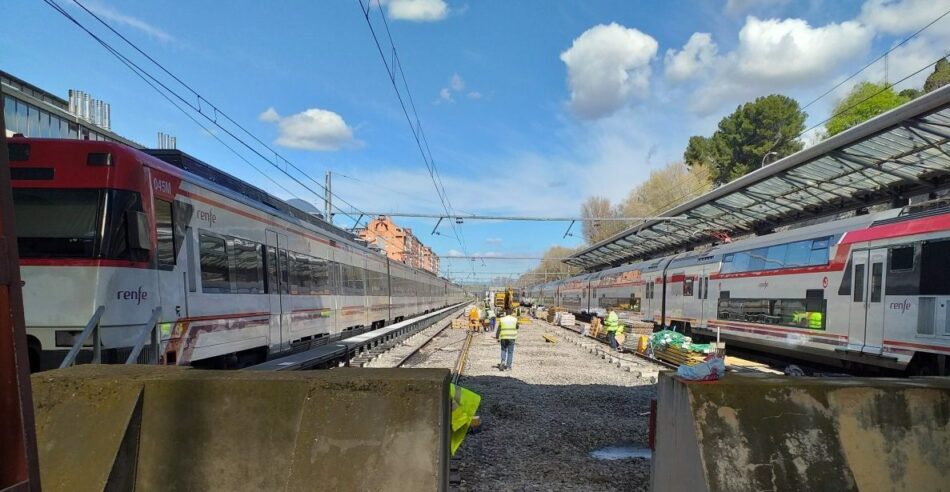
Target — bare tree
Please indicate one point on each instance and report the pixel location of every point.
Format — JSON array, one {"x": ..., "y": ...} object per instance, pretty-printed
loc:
[{"x": 597, "y": 207}]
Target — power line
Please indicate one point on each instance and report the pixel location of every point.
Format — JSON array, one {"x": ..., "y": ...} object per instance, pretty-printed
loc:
[
  {"x": 394, "y": 68},
  {"x": 194, "y": 107},
  {"x": 872, "y": 62}
]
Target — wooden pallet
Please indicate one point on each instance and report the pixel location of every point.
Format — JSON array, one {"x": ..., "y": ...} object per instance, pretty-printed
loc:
[
  {"x": 549, "y": 338},
  {"x": 677, "y": 355}
]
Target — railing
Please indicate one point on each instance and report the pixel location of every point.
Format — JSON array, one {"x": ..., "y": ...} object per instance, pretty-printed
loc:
[
  {"x": 149, "y": 332},
  {"x": 92, "y": 328}
]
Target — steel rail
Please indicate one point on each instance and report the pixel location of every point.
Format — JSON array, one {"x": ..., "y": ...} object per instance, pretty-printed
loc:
[{"x": 426, "y": 343}]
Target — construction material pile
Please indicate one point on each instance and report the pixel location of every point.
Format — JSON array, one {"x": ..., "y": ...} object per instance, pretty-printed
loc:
[
  {"x": 679, "y": 349},
  {"x": 637, "y": 336},
  {"x": 565, "y": 319}
]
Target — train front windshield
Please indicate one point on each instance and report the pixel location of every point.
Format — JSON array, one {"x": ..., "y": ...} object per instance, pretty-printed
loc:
[{"x": 75, "y": 223}]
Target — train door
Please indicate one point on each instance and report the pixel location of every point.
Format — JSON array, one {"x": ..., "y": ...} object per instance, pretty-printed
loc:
[
  {"x": 866, "y": 325},
  {"x": 172, "y": 272},
  {"x": 278, "y": 288}
]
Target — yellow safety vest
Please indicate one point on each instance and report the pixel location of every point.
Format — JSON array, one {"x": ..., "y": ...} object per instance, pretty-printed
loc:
[
  {"x": 508, "y": 328},
  {"x": 464, "y": 405},
  {"x": 612, "y": 323},
  {"x": 814, "y": 320}
]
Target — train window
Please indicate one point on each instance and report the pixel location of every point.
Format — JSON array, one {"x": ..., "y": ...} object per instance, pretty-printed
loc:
[
  {"x": 706, "y": 289},
  {"x": 740, "y": 263},
  {"x": 700, "y": 294},
  {"x": 300, "y": 275},
  {"x": 877, "y": 279},
  {"x": 757, "y": 259},
  {"x": 215, "y": 271},
  {"x": 799, "y": 313},
  {"x": 284, "y": 260},
  {"x": 270, "y": 265},
  {"x": 164, "y": 234},
  {"x": 935, "y": 263},
  {"x": 727, "y": 266},
  {"x": 859, "y": 283},
  {"x": 798, "y": 254},
  {"x": 321, "y": 277},
  {"x": 902, "y": 259},
  {"x": 688, "y": 287},
  {"x": 819, "y": 252},
  {"x": 352, "y": 280},
  {"x": 775, "y": 257},
  {"x": 248, "y": 266}
]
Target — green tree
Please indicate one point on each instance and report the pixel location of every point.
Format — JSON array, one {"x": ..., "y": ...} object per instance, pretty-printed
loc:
[
  {"x": 865, "y": 101},
  {"x": 940, "y": 77},
  {"x": 768, "y": 124}
]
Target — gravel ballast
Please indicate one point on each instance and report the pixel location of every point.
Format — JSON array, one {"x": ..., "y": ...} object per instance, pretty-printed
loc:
[{"x": 542, "y": 419}]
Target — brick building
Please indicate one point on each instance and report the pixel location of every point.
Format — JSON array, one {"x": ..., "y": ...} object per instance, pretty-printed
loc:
[{"x": 399, "y": 244}]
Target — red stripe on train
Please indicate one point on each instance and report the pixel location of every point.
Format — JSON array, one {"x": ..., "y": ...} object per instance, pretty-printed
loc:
[{"x": 907, "y": 228}]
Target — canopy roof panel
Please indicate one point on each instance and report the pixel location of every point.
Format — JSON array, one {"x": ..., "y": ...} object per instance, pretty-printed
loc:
[{"x": 897, "y": 154}]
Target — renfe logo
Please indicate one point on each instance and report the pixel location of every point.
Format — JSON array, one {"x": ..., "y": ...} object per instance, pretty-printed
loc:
[
  {"x": 132, "y": 295},
  {"x": 903, "y": 306},
  {"x": 208, "y": 217}
]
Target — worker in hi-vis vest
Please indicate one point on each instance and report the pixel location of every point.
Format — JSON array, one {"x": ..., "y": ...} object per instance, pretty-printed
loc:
[
  {"x": 474, "y": 318},
  {"x": 613, "y": 326},
  {"x": 506, "y": 334},
  {"x": 464, "y": 405}
]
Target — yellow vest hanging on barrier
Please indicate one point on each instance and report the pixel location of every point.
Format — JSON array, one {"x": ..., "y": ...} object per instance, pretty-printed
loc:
[{"x": 464, "y": 405}]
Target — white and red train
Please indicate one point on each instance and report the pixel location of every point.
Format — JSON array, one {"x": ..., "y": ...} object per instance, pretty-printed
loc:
[
  {"x": 239, "y": 274},
  {"x": 871, "y": 290}
]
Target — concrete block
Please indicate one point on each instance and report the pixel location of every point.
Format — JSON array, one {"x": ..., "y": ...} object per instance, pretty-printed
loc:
[
  {"x": 343, "y": 429},
  {"x": 767, "y": 432}
]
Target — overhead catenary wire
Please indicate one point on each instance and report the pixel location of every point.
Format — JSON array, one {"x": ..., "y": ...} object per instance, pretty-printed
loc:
[
  {"x": 196, "y": 107},
  {"x": 872, "y": 62},
  {"x": 394, "y": 68}
]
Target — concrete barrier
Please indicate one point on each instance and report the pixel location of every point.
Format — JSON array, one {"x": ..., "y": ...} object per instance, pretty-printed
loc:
[
  {"x": 766, "y": 432},
  {"x": 156, "y": 428}
]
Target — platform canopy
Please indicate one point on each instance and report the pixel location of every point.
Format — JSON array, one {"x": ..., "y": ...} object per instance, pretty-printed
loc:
[{"x": 900, "y": 153}]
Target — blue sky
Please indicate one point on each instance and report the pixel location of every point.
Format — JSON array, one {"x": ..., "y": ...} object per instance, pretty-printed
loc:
[{"x": 529, "y": 106}]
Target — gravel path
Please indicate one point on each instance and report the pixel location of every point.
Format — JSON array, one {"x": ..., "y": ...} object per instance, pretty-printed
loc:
[{"x": 541, "y": 420}]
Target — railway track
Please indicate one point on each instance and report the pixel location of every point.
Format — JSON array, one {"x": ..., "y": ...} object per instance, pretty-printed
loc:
[{"x": 396, "y": 352}]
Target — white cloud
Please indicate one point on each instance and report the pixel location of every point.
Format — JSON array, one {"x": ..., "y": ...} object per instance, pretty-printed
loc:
[
  {"x": 456, "y": 83},
  {"x": 697, "y": 54},
  {"x": 736, "y": 7},
  {"x": 775, "y": 55},
  {"x": 494, "y": 240},
  {"x": 269, "y": 115},
  {"x": 445, "y": 95},
  {"x": 111, "y": 14},
  {"x": 607, "y": 66},
  {"x": 791, "y": 50},
  {"x": 417, "y": 10},
  {"x": 902, "y": 16},
  {"x": 313, "y": 129}
]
